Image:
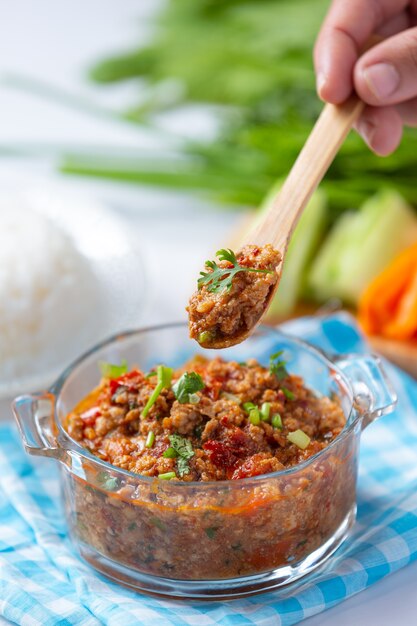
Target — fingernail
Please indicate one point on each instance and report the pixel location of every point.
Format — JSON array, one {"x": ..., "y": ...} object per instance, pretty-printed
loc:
[
  {"x": 382, "y": 79},
  {"x": 320, "y": 82},
  {"x": 367, "y": 130}
]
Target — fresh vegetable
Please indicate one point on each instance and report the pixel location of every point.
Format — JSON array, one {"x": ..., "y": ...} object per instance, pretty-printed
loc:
[
  {"x": 302, "y": 247},
  {"x": 388, "y": 305},
  {"x": 167, "y": 476},
  {"x": 186, "y": 387},
  {"x": 221, "y": 278},
  {"x": 254, "y": 416},
  {"x": 164, "y": 377},
  {"x": 276, "y": 421},
  {"x": 110, "y": 370},
  {"x": 361, "y": 245},
  {"x": 277, "y": 366},
  {"x": 150, "y": 439},
  {"x": 252, "y": 61},
  {"x": 299, "y": 438},
  {"x": 288, "y": 394},
  {"x": 265, "y": 411},
  {"x": 183, "y": 451}
]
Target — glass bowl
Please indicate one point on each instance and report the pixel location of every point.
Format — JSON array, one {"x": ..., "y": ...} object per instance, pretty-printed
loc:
[{"x": 205, "y": 540}]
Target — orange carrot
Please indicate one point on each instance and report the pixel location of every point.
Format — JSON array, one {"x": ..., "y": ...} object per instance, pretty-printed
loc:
[
  {"x": 404, "y": 325},
  {"x": 388, "y": 306}
]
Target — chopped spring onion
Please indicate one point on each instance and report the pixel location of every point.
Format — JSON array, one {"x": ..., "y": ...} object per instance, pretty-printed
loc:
[
  {"x": 276, "y": 421},
  {"x": 167, "y": 476},
  {"x": 150, "y": 374},
  {"x": 110, "y": 370},
  {"x": 254, "y": 416},
  {"x": 265, "y": 411},
  {"x": 170, "y": 453},
  {"x": 248, "y": 406},
  {"x": 164, "y": 382},
  {"x": 299, "y": 438},
  {"x": 150, "y": 439}
]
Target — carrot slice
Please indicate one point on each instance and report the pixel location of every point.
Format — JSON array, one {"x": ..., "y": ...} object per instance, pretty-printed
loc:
[
  {"x": 380, "y": 301},
  {"x": 404, "y": 325}
]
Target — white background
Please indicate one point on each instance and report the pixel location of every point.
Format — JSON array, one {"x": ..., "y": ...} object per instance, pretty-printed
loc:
[{"x": 55, "y": 41}]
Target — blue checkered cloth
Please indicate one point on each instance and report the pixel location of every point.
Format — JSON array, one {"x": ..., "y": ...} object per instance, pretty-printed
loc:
[{"x": 42, "y": 581}]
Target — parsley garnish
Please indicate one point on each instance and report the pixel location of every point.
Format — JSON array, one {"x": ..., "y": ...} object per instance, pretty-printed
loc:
[
  {"x": 186, "y": 387},
  {"x": 163, "y": 382},
  {"x": 277, "y": 366},
  {"x": 184, "y": 452},
  {"x": 221, "y": 278},
  {"x": 109, "y": 370}
]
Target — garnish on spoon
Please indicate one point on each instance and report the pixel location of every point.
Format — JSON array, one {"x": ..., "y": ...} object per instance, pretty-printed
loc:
[
  {"x": 221, "y": 278},
  {"x": 232, "y": 295}
]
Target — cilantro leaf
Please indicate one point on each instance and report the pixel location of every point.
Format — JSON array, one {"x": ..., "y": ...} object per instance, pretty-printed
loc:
[
  {"x": 277, "y": 366},
  {"x": 221, "y": 278},
  {"x": 184, "y": 450},
  {"x": 186, "y": 387}
]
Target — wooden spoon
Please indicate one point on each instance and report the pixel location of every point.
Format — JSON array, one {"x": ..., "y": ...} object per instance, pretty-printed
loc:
[{"x": 276, "y": 228}]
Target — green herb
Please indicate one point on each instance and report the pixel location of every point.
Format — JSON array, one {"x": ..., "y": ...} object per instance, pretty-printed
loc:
[
  {"x": 110, "y": 370},
  {"x": 132, "y": 526},
  {"x": 288, "y": 394},
  {"x": 265, "y": 411},
  {"x": 109, "y": 483},
  {"x": 276, "y": 421},
  {"x": 186, "y": 387},
  {"x": 184, "y": 451},
  {"x": 150, "y": 439},
  {"x": 254, "y": 416},
  {"x": 170, "y": 453},
  {"x": 221, "y": 278},
  {"x": 277, "y": 366},
  {"x": 167, "y": 476},
  {"x": 211, "y": 532},
  {"x": 299, "y": 438},
  {"x": 242, "y": 363},
  {"x": 248, "y": 406},
  {"x": 163, "y": 382},
  {"x": 150, "y": 374}
]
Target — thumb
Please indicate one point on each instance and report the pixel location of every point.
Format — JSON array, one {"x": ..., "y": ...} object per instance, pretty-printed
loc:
[{"x": 387, "y": 74}]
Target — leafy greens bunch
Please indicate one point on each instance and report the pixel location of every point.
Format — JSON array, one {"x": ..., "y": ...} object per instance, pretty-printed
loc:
[{"x": 252, "y": 60}]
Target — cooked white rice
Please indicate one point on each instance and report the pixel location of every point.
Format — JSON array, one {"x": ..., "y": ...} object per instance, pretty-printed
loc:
[{"x": 46, "y": 292}]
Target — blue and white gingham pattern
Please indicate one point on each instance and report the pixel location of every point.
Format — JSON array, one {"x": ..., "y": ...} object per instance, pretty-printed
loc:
[{"x": 43, "y": 583}]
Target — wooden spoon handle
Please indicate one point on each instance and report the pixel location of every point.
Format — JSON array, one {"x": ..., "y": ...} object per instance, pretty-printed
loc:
[{"x": 320, "y": 149}]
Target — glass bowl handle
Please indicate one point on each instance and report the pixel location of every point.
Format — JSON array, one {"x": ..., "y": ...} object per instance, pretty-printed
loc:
[
  {"x": 373, "y": 393},
  {"x": 33, "y": 413}
]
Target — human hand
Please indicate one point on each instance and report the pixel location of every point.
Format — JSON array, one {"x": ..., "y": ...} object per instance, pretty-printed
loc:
[{"x": 385, "y": 77}]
